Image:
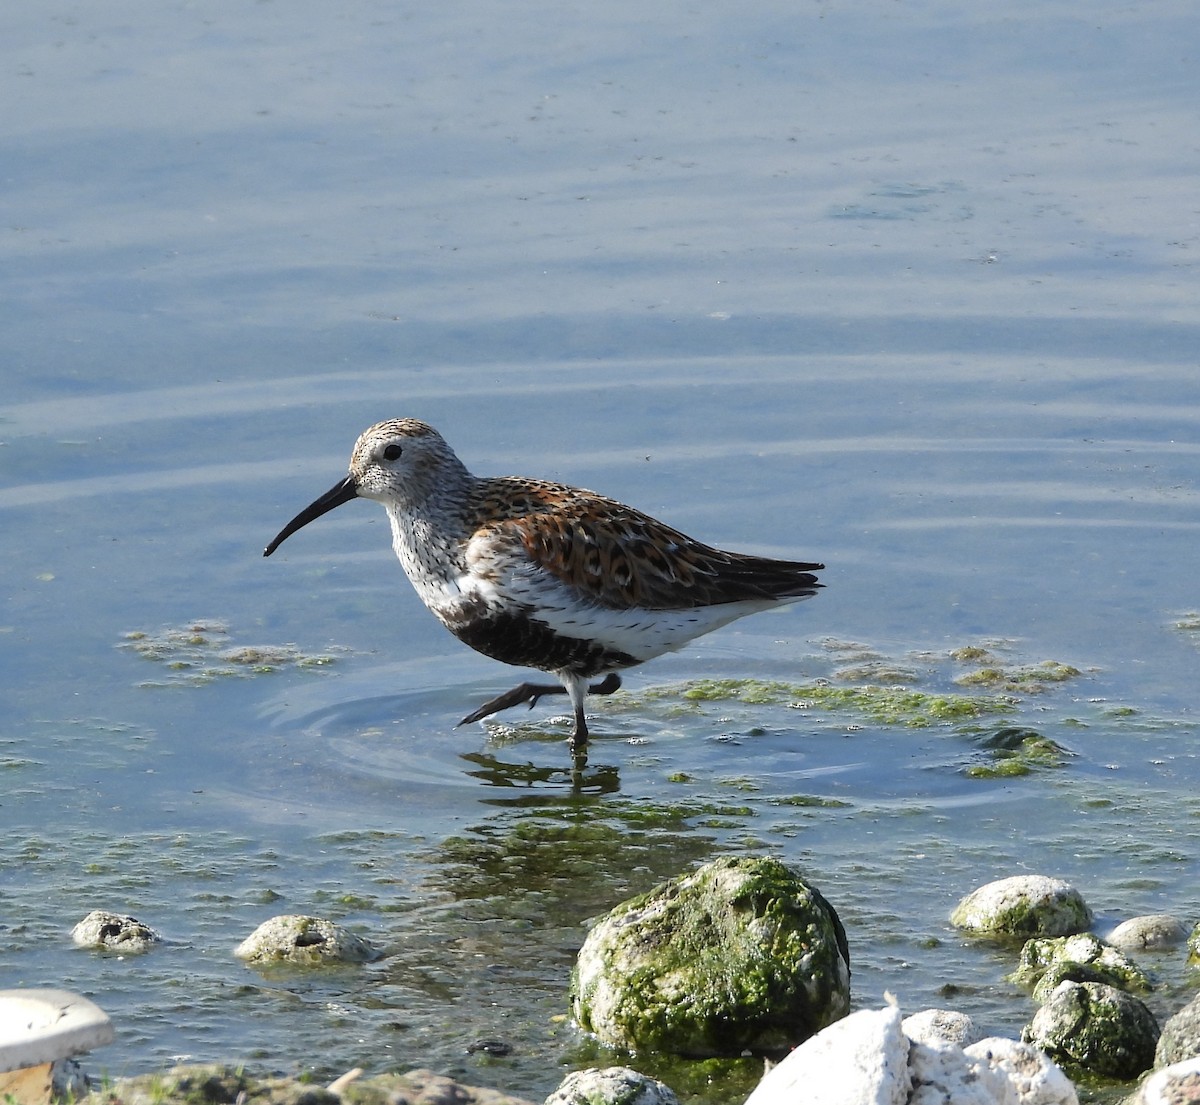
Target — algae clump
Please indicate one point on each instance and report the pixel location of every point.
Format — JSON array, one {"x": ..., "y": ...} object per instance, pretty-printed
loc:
[{"x": 887, "y": 705}]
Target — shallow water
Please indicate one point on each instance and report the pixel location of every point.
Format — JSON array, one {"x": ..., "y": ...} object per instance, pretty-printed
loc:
[{"x": 906, "y": 290}]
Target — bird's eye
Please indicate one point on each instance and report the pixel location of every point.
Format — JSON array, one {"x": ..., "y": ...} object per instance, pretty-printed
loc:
[{"x": 391, "y": 452}]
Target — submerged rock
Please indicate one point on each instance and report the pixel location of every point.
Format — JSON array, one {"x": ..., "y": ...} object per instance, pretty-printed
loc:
[
  {"x": 1154, "y": 930},
  {"x": 1180, "y": 1037},
  {"x": 1095, "y": 1028},
  {"x": 869, "y": 1059},
  {"x": 611, "y": 1086},
  {"x": 215, "y": 1084},
  {"x": 304, "y": 942},
  {"x": 1048, "y": 960},
  {"x": 1023, "y": 905},
  {"x": 741, "y": 955},
  {"x": 101, "y": 929}
]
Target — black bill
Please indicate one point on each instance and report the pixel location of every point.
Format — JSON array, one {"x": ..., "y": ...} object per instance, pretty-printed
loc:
[{"x": 340, "y": 493}]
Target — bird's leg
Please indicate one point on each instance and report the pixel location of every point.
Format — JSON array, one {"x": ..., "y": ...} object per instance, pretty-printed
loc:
[
  {"x": 531, "y": 692},
  {"x": 578, "y": 689}
]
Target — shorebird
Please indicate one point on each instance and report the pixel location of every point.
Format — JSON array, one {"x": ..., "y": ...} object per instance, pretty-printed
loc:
[{"x": 543, "y": 575}]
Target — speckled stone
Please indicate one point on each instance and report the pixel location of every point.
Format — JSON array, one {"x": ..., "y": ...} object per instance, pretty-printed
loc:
[
  {"x": 114, "y": 931},
  {"x": 304, "y": 942}
]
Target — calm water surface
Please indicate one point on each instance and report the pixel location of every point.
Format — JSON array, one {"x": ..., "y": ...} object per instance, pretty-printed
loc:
[{"x": 907, "y": 289}]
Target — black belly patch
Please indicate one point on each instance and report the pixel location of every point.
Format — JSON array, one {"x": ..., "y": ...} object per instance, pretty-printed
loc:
[{"x": 520, "y": 640}]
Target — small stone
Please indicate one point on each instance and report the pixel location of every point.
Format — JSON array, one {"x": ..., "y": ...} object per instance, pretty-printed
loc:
[
  {"x": 940, "y": 1026},
  {"x": 305, "y": 942},
  {"x": 1155, "y": 930},
  {"x": 611, "y": 1086},
  {"x": 1180, "y": 1037},
  {"x": 114, "y": 931},
  {"x": 1095, "y": 1028},
  {"x": 497, "y": 1049},
  {"x": 1023, "y": 905}
]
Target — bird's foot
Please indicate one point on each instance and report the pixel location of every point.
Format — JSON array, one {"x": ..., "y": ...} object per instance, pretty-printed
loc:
[
  {"x": 531, "y": 692},
  {"x": 526, "y": 692}
]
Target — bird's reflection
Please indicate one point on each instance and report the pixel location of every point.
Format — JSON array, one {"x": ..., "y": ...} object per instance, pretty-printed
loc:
[{"x": 579, "y": 778}]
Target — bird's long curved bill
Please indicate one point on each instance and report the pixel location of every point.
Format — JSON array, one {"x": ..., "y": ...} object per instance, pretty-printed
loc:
[{"x": 340, "y": 493}]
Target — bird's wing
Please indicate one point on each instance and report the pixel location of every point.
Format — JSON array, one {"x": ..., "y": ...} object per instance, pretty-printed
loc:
[{"x": 617, "y": 557}]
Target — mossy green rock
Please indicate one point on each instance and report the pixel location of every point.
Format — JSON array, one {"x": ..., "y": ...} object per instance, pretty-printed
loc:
[
  {"x": 1024, "y": 905},
  {"x": 1047, "y": 961},
  {"x": 1095, "y": 1029},
  {"x": 742, "y": 955}
]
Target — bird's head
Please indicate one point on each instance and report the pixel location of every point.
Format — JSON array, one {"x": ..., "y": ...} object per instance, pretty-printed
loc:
[{"x": 399, "y": 463}]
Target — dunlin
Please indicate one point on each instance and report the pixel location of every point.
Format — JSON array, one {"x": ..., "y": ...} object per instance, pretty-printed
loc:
[{"x": 543, "y": 575}]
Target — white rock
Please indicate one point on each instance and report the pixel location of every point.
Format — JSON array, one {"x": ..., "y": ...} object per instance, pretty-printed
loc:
[
  {"x": 946, "y": 1076},
  {"x": 1155, "y": 930},
  {"x": 867, "y": 1059},
  {"x": 1034, "y": 1076},
  {"x": 1178, "y": 1084},
  {"x": 860, "y": 1060},
  {"x": 941, "y": 1026}
]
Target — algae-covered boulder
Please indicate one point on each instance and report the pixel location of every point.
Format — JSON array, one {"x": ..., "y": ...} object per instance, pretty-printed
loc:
[
  {"x": 303, "y": 942},
  {"x": 1095, "y": 1028},
  {"x": 1193, "y": 945},
  {"x": 741, "y": 955},
  {"x": 1048, "y": 960},
  {"x": 1023, "y": 905},
  {"x": 1180, "y": 1037},
  {"x": 611, "y": 1086}
]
